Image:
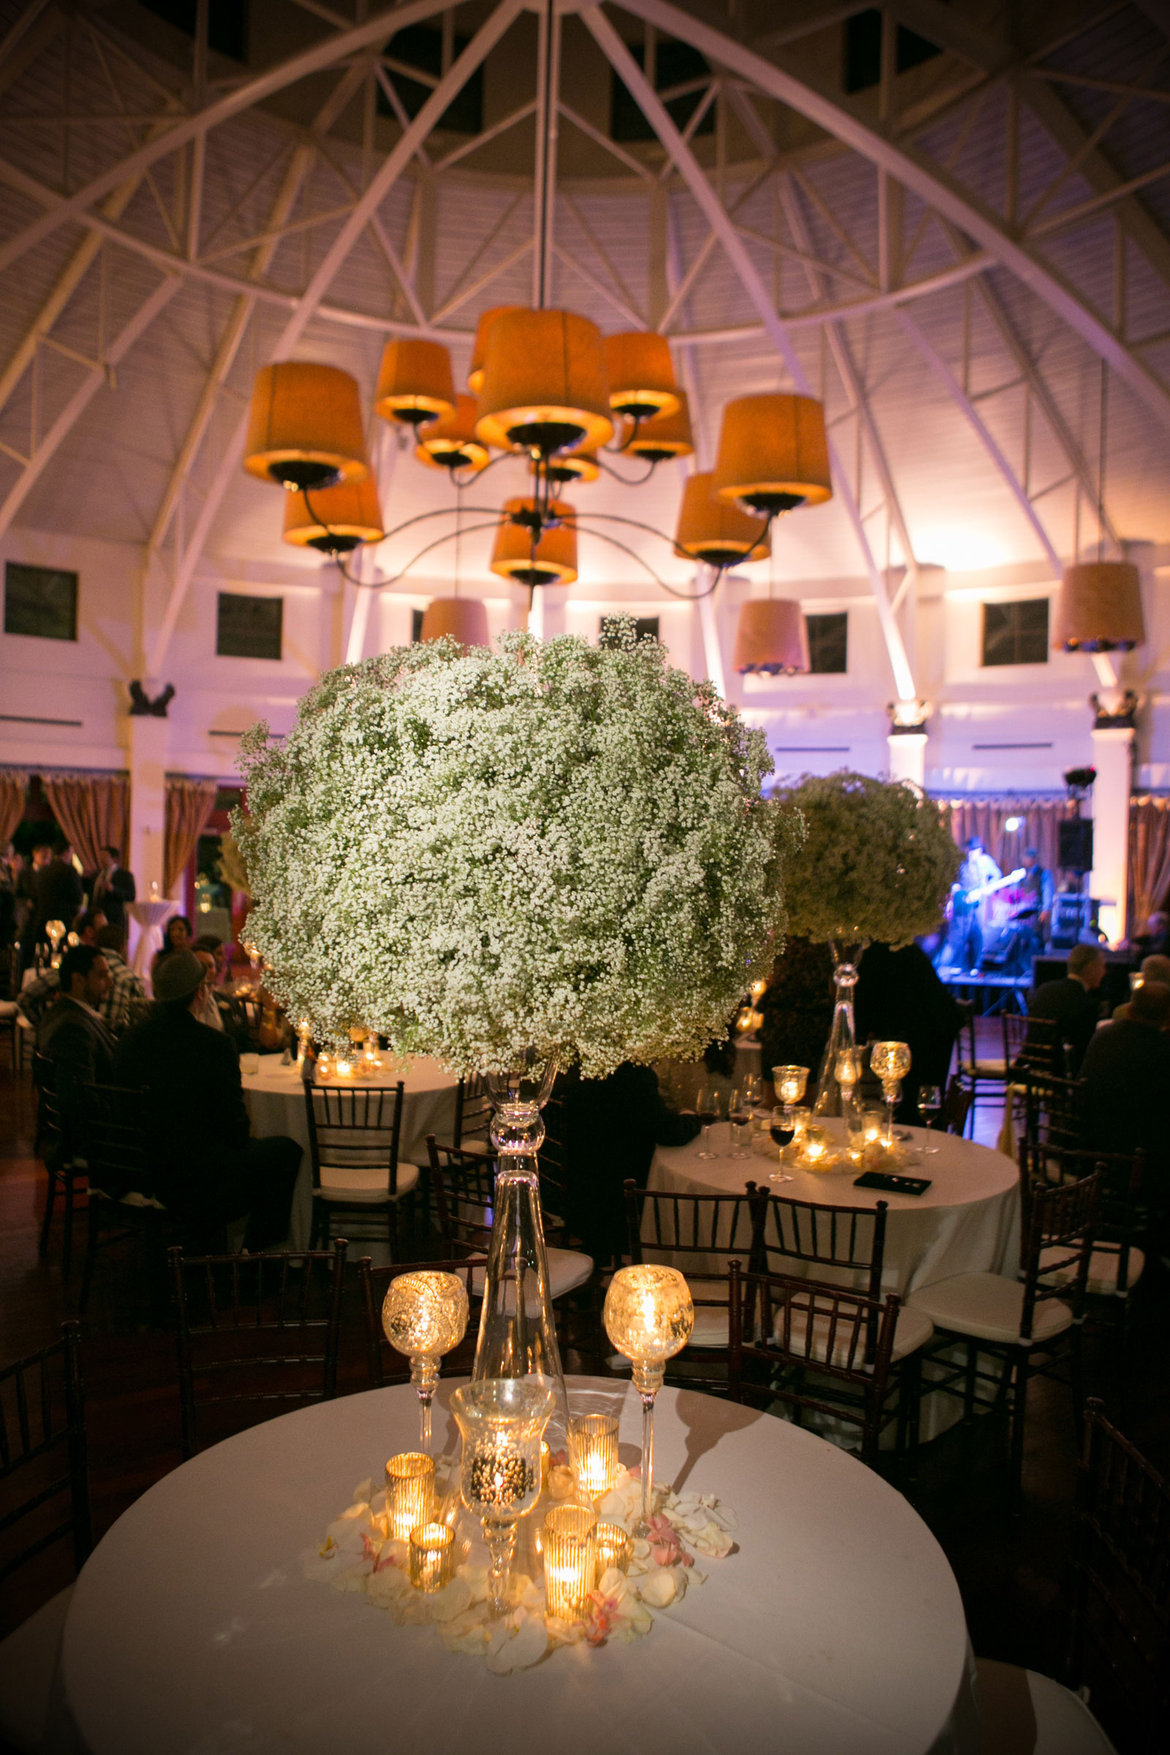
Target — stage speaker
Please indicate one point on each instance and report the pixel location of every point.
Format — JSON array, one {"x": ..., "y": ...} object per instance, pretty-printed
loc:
[{"x": 1075, "y": 844}]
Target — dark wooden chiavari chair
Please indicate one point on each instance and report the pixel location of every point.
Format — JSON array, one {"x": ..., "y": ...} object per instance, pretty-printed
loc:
[
  {"x": 385, "y": 1365},
  {"x": 354, "y": 1139}
]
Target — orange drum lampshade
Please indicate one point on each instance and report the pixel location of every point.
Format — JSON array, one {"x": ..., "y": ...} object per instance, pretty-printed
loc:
[
  {"x": 641, "y": 374},
  {"x": 665, "y": 436},
  {"x": 339, "y": 518},
  {"x": 478, "y": 346},
  {"x": 717, "y": 531},
  {"x": 414, "y": 382},
  {"x": 773, "y": 454},
  {"x": 463, "y": 618},
  {"x": 554, "y": 559},
  {"x": 450, "y": 443},
  {"x": 544, "y": 386},
  {"x": 305, "y": 426},
  {"x": 1099, "y": 608},
  {"x": 566, "y": 466},
  {"x": 771, "y": 637}
]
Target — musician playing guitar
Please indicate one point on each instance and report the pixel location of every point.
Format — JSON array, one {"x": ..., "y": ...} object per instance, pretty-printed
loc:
[
  {"x": 1035, "y": 903},
  {"x": 976, "y": 872}
]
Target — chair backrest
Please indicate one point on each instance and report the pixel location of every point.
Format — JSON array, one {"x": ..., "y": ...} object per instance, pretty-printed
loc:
[
  {"x": 462, "y": 1185},
  {"x": 1032, "y": 1042},
  {"x": 1059, "y": 1224},
  {"x": 115, "y": 1140},
  {"x": 695, "y": 1231},
  {"x": 355, "y": 1127},
  {"x": 1120, "y": 1642},
  {"x": 473, "y": 1112},
  {"x": 957, "y": 1105},
  {"x": 817, "y": 1346},
  {"x": 1121, "y": 1211},
  {"x": 384, "y": 1363},
  {"x": 48, "y": 1134},
  {"x": 255, "y": 1332},
  {"x": 44, "y": 1481},
  {"x": 845, "y": 1245},
  {"x": 1053, "y": 1109}
]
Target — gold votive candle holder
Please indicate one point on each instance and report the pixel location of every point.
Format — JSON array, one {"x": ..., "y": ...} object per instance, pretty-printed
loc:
[
  {"x": 410, "y": 1492},
  {"x": 432, "y": 1556},
  {"x": 570, "y": 1559},
  {"x": 593, "y": 1445},
  {"x": 614, "y": 1548}
]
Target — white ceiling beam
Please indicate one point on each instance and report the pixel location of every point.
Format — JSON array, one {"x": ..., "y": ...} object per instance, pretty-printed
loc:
[
  {"x": 244, "y": 96},
  {"x": 95, "y": 378},
  {"x": 380, "y": 185},
  {"x": 916, "y": 171},
  {"x": 719, "y": 220}
]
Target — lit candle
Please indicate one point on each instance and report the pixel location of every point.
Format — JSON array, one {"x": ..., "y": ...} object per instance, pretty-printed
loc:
[
  {"x": 344, "y": 1068},
  {"x": 570, "y": 1559},
  {"x": 593, "y": 1442},
  {"x": 875, "y": 1123},
  {"x": 814, "y": 1145},
  {"x": 410, "y": 1490},
  {"x": 432, "y": 1556},
  {"x": 614, "y": 1548}
]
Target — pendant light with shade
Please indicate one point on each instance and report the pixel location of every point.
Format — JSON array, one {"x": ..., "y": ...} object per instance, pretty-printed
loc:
[{"x": 1099, "y": 604}]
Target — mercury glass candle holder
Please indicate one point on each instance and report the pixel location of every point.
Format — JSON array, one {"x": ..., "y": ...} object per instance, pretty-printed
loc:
[
  {"x": 432, "y": 1556},
  {"x": 891, "y": 1062},
  {"x": 570, "y": 1559},
  {"x": 593, "y": 1446},
  {"x": 410, "y": 1492},
  {"x": 814, "y": 1148},
  {"x": 790, "y": 1083},
  {"x": 424, "y": 1315},
  {"x": 649, "y": 1317},
  {"x": 501, "y": 1421},
  {"x": 614, "y": 1548}
]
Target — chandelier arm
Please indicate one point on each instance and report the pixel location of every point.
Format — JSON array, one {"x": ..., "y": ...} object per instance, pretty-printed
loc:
[
  {"x": 447, "y": 536},
  {"x": 626, "y": 480},
  {"x": 684, "y": 596}
]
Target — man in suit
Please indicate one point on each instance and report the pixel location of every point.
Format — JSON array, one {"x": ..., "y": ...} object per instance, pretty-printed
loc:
[
  {"x": 113, "y": 887},
  {"x": 207, "y": 1168},
  {"x": 1071, "y": 1004},
  {"x": 74, "y": 1038},
  {"x": 57, "y": 895}
]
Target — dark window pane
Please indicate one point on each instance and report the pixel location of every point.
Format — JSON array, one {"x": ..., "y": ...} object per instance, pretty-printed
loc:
[
  {"x": 645, "y": 627},
  {"x": 416, "y": 621},
  {"x": 863, "y": 50},
  {"x": 421, "y": 46},
  {"x": 1016, "y": 633},
  {"x": 227, "y": 22},
  {"x": 674, "y": 64},
  {"x": 248, "y": 627},
  {"x": 41, "y": 601},
  {"x": 828, "y": 643}
]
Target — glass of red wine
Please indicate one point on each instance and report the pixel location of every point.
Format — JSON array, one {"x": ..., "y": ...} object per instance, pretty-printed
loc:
[{"x": 709, "y": 1108}]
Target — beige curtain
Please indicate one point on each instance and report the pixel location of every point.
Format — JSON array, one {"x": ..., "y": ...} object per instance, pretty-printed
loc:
[
  {"x": 986, "y": 817},
  {"x": 1149, "y": 858},
  {"x": 13, "y": 788},
  {"x": 189, "y": 804},
  {"x": 93, "y": 811}
]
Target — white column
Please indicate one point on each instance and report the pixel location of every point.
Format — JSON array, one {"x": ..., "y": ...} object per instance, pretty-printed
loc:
[
  {"x": 1108, "y": 880},
  {"x": 148, "y": 779},
  {"x": 712, "y": 648},
  {"x": 908, "y": 756}
]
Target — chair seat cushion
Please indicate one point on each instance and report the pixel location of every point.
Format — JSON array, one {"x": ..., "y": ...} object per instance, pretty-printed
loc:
[
  {"x": 8, "y": 1010},
  {"x": 1024, "y": 1713},
  {"x": 988, "y": 1307},
  {"x": 28, "y": 1667},
  {"x": 1102, "y": 1269},
  {"x": 913, "y": 1331},
  {"x": 984, "y": 1069},
  {"x": 567, "y": 1269},
  {"x": 357, "y": 1184}
]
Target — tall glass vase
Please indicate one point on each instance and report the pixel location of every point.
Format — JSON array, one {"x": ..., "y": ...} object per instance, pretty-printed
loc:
[
  {"x": 833, "y": 1096},
  {"x": 517, "y": 1331}
]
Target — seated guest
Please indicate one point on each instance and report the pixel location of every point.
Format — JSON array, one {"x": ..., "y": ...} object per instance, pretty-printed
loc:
[
  {"x": 208, "y": 1011},
  {"x": 1155, "y": 940},
  {"x": 1155, "y": 968},
  {"x": 74, "y": 1038},
  {"x": 1126, "y": 1070},
  {"x": 126, "y": 1001},
  {"x": 35, "y": 999},
  {"x": 607, "y": 1130},
  {"x": 208, "y": 1169},
  {"x": 899, "y": 998},
  {"x": 1072, "y": 1003},
  {"x": 177, "y": 937}
]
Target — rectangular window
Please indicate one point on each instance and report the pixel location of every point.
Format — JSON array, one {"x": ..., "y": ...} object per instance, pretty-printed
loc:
[
  {"x": 828, "y": 643},
  {"x": 645, "y": 627},
  {"x": 675, "y": 64},
  {"x": 416, "y": 621},
  {"x": 248, "y": 627},
  {"x": 1016, "y": 633},
  {"x": 40, "y": 601},
  {"x": 421, "y": 46}
]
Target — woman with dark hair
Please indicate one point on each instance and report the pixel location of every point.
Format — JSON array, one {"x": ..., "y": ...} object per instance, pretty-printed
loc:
[{"x": 176, "y": 937}]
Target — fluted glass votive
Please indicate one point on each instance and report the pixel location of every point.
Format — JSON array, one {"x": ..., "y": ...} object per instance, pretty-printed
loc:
[
  {"x": 614, "y": 1548},
  {"x": 649, "y": 1317},
  {"x": 570, "y": 1559},
  {"x": 593, "y": 1447},
  {"x": 410, "y": 1492},
  {"x": 432, "y": 1556},
  {"x": 424, "y": 1315},
  {"x": 501, "y": 1421}
]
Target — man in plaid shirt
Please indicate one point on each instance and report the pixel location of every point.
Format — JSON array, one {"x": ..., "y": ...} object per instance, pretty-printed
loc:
[{"x": 126, "y": 1001}]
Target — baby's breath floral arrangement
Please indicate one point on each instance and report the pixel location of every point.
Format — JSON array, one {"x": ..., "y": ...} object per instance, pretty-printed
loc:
[
  {"x": 545, "y": 845},
  {"x": 877, "y": 863}
]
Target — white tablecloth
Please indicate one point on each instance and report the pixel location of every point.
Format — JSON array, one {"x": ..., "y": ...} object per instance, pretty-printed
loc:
[
  {"x": 968, "y": 1221},
  {"x": 149, "y": 918},
  {"x": 837, "y": 1630},
  {"x": 276, "y": 1104}
]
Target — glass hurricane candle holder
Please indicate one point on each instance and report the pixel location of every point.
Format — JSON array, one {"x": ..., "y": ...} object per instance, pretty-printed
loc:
[
  {"x": 814, "y": 1148},
  {"x": 501, "y": 1421},
  {"x": 424, "y": 1315},
  {"x": 432, "y": 1556},
  {"x": 649, "y": 1317},
  {"x": 891, "y": 1062},
  {"x": 570, "y": 1559},
  {"x": 410, "y": 1492},
  {"x": 593, "y": 1446},
  {"x": 614, "y": 1548}
]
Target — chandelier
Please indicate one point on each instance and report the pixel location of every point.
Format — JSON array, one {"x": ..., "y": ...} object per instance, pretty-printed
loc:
[{"x": 545, "y": 385}]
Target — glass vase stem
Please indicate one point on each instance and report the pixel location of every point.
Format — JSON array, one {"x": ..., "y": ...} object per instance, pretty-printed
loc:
[
  {"x": 424, "y": 1374},
  {"x": 501, "y": 1545},
  {"x": 842, "y": 1037},
  {"x": 647, "y": 1457}
]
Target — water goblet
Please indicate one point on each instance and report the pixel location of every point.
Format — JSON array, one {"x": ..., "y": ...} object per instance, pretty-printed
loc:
[
  {"x": 424, "y": 1315},
  {"x": 891, "y": 1062},
  {"x": 649, "y": 1317},
  {"x": 929, "y": 1108},
  {"x": 739, "y": 1114},
  {"x": 708, "y": 1107},
  {"x": 501, "y": 1420}
]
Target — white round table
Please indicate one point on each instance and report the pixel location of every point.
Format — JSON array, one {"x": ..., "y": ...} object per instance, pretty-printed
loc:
[
  {"x": 836, "y": 1630},
  {"x": 150, "y": 918},
  {"x": 967, "y": 1221},
  {"x": 275, "y": 1096}
]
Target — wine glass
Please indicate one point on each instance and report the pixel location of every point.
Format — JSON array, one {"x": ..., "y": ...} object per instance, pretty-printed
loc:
[
  {"x": 930, "y": 1108},
  {"x": 891, "y": 1062},
  {"x": 739, "y": 1114},
  {"x": 502, "y": 1420},
  {"x": 708, "y": 1107}
]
